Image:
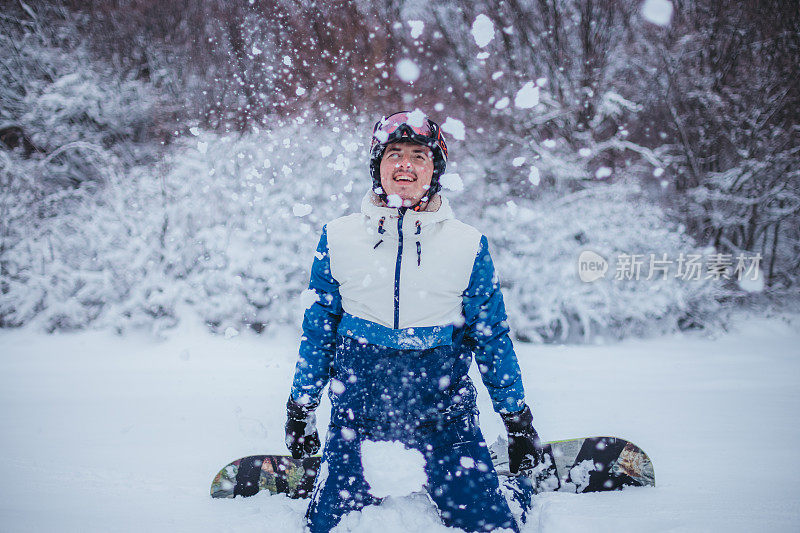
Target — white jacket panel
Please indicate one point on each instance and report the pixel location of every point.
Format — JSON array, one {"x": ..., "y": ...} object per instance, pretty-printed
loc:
[{"x": 432, "y": 275}]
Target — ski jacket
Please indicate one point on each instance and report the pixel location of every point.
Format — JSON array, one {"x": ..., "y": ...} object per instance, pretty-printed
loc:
[{"x": 404, "y": 299}]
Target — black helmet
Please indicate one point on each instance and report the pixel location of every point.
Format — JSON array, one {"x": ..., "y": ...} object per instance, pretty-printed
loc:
[{"x": 413, "y": 126}]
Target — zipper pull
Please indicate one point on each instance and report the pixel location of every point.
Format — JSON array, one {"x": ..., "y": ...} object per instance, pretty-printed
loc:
[{"x": 381, "y": 231}]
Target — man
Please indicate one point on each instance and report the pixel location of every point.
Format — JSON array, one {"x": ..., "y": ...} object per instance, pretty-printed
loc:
[{"x": 405, "y": 295}]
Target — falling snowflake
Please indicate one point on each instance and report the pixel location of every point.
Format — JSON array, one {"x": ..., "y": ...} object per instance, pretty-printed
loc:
[
  {"x": 407, "y": 70},
  {"x": 417, "y": 118},
  {"x": 527, "y": 97},
  {"x": 454, "y": 127},
  {"x": 657, "y": 11},
  {"x": 602, "y": 173},
  {"x": 482, "y": 30},
  {"x": 301, "y": 210},
  {"x": 452, "y": 182},
  {"x": 308, "y": 298},
  {"x": 534, "y": 176},
  {"x": 416, "y": 28},
  {"x": 502, "y": 103}
]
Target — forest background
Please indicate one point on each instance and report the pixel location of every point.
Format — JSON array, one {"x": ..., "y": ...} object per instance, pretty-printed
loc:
[{"x": 160, "y": 160}]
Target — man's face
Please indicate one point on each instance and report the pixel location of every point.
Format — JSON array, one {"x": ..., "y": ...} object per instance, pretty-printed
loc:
[{"x": 406, "y": 171}]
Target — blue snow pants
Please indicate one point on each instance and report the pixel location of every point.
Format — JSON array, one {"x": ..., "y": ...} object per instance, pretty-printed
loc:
[{"x": 467, "y": 493}]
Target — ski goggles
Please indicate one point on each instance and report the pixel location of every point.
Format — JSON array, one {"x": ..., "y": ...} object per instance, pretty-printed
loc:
[{"x": 419, "y": 129}]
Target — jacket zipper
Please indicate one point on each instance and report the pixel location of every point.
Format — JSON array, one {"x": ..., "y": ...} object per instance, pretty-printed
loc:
[{"x": 397, "y": 270}]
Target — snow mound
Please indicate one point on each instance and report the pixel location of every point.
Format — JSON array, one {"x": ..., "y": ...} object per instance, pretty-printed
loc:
[
  {"x": 391, "y": 469},
  {"x": 395, "y": 515}
]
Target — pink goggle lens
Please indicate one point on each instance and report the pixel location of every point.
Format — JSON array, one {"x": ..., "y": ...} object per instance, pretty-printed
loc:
[{"x": 391, "y": 123}]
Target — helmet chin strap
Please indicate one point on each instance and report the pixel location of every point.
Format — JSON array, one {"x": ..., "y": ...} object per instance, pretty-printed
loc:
[{"x": 419, "y": 206}]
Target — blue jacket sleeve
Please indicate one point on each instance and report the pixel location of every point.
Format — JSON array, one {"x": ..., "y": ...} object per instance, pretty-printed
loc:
[
  {"x": 320, "y": 321},
  {"x": 485, "y": 319}
]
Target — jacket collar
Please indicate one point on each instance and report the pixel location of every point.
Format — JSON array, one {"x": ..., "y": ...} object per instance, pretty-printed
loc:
[{"x": 374, "y": 212}]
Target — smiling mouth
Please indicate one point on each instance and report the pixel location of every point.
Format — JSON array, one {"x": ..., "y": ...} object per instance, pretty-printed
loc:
[{"x": 404, "y": 178}]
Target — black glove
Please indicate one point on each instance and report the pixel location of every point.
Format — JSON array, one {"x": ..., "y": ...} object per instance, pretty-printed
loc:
[
  {"x": 302, "y": 438},
  {"x": 524, "y": 446}
]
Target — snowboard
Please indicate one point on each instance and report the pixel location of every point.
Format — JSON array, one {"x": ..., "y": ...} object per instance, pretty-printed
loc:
[{"x": 591, "y": 464}]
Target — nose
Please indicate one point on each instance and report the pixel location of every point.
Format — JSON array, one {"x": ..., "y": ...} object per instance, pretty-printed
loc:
[{"x": 405, "y": 161}]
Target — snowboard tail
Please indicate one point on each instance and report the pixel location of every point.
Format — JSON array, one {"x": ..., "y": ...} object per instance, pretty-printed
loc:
[
  {"x": 277, "y": 474},
  {"x": 592, "y": 464}
]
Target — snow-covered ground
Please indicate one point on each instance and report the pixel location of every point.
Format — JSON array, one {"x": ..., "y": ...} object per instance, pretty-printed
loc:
[{"x": 107, "y": 433}]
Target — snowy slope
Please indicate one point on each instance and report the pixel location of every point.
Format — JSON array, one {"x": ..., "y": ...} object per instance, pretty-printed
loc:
[{"x": 106, "y": 433}]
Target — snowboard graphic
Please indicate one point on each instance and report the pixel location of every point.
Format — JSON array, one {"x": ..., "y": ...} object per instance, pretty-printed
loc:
[{"x": 590, "y": 464}]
